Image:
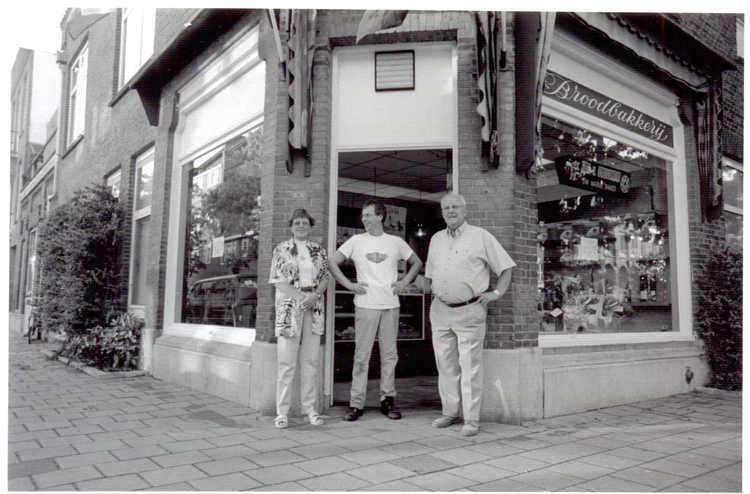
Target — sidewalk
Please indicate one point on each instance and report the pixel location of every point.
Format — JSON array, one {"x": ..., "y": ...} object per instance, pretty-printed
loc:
[{"x": 69, "y": 431}]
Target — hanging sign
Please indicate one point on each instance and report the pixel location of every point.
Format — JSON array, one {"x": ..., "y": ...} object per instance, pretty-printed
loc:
[
  {"x": 594, "y": 103},
  {"x": 589, "y": 175}
]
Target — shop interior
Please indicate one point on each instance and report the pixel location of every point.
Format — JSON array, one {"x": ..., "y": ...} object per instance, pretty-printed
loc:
[
  {"x": 410, "y": 183},
  {"x": 602, "y": 250}
]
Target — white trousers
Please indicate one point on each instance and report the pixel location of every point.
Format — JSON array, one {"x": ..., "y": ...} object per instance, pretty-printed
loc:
[
  {"x": 458, "y": 339},
  {"x": 367, "y": 324},
  {"x": 287, "y": 351}
]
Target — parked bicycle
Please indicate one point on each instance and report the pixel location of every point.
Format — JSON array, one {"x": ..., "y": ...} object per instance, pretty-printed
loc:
[{"x": 35, "y": 327}]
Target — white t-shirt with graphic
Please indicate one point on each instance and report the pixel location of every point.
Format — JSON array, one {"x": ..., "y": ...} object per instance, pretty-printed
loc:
[{"x": 376, "y": 260}]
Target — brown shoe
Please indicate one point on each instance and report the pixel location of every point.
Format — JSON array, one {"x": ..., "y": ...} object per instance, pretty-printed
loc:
[
  {"x": 353, "y": 414},
  {"x": 388, "y": 408}
]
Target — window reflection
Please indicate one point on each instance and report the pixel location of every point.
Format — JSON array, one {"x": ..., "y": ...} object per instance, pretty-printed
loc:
[{"x": 221, "y": 253}]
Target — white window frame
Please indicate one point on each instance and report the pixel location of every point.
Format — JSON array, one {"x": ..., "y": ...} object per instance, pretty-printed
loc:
[
  {"x": 740, "y": 38},
  {"x": 737, "y": 166},
  {"x": 680, "y": 272},
  {"x": 138, "y": 214},
  {"x": 115, "y": 179},
  {"x": 239, "y": 59},
  {"x": 142, "y": 43},
  {"x": 77, "y": 112}
]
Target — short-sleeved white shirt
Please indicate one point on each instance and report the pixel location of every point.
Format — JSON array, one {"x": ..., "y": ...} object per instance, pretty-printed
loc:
[
  {"x": 376, "y": 260},
  {"x": 460, "y": 267}
]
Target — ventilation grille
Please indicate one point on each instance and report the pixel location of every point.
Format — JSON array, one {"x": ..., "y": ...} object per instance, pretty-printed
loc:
[{"x": 394, "y": 70}]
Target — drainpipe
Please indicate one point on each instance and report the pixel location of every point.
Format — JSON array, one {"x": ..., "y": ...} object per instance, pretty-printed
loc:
[{"x": 526, "y": 32}]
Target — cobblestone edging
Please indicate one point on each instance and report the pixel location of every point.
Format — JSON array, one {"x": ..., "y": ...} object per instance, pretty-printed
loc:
[{"x": 92, "y": 371}]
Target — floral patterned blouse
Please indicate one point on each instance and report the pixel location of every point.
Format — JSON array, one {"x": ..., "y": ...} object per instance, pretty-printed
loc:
[{"x": 285, "y": 268}]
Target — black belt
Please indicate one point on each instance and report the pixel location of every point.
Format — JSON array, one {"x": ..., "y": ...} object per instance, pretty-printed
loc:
[
  {"x": 460, "y": 304},
  {"x": 307, "y": 288}
]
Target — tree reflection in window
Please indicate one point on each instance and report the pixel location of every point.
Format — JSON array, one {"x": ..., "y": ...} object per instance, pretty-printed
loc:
[{"x": 222, "y": 234}]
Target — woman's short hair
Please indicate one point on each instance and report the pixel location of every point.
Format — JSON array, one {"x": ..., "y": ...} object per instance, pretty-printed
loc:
[
  {"x": 379, "y": 208},
  {"x": 301, "y": 213}
]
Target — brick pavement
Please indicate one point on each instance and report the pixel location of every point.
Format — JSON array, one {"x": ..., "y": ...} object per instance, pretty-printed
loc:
[{"x": 70, "y": 431}]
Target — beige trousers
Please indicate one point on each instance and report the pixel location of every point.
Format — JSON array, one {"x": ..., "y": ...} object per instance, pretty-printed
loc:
[
  {"x": 306, "y": 345},
  {"x": 458, "y": 340},
  {"x": 367, "y": 324}
]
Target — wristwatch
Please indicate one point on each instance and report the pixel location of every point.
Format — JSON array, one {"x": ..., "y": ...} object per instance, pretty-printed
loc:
[{"x": 496, "y": 292}]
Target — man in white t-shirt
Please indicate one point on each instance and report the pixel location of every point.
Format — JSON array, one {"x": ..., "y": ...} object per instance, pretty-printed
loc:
[{"x": 376, "y": 255}]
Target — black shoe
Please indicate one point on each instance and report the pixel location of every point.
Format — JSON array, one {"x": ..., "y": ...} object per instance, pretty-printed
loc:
[
  {"x": 353, "y": 414},
  {"x": 388, "y": 408}
]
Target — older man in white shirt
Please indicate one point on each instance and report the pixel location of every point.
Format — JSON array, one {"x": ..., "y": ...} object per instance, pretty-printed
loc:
[{"x": 458, "y": 266}]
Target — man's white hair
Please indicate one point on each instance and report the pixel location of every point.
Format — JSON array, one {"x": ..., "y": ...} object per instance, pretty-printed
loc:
[{"x": 451, "y": 194}]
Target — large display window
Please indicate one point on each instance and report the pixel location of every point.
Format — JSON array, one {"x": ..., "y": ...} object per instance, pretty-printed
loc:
[
  {"x": 221, "y": 234},
  {"x": 603, "y": 236}
]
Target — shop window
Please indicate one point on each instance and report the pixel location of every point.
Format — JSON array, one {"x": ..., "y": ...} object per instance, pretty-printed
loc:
[
  {"x": 222, "y": 231},
  {"x": 113, "y": 182},
  {"x": 603, "y": 237},
  {"x": 136, "y": 40},
  {"x": 732, "y": 177},
  {"x": 77, "y": 96}
]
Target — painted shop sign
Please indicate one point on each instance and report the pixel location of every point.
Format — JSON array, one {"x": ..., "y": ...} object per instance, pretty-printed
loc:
[
  {"x": 589, "y": 101},
  {"x": 588, "y": 175}
]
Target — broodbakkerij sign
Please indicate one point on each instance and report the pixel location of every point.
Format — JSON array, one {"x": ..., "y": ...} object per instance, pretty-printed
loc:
[
  {"x": 589, "y": 101},
  {"x": 588, "y": 175}
]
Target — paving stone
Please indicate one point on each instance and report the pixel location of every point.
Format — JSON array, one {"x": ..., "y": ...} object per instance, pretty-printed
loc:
[
  {"x": 225, "y": 466},
  {"x": 182, "y": 446},
  {"x": 395, "y": 486},
  {"x": 581, "y": 470},
  {"x": 480, "y": 472},
  {"x": 229, "y": 452},
  {"x": 692, "y": 458},
  {"x": 607, "y": 460},
  {"x": 380, "y": 472},
  {"x": 653, "y": 478},
  {"x": 708, "y": 483},
  {"x": 714, "y": 452},
  {"x": 127, "y": 467},
  {"x": 359, "y": 443},
  {"x": 504, "y": 485},
  {"x": 319, "y": 450},
  {"x": 614, "y": 484},
  {"x": 732, "y": 473},
  {"x": 276, "y": 458},
  {"x": 680, "y": 488},
  {"x": 21, "y": 484},
  {"x": 495, "y": 449},
  {"x": 278, "y": 474},
  {"x": 94, "y": 446},
  {"x": 19, "y": 437},
  {"x": 423, "y": 464},
  {"x": 285, "y": 487},
  {"x": 334, "y": 482},
  {"x": 517, "y": 463},
  {"x": 461, "y": 456},
  {"x": 409, "y": 449},
  {"x": 550, "y": 455},
  {"x": 23, "y": 446},
  {"x": 51, "y": 452},
  {"x": 139, "y": 452},
  {"x": 233, "y": 440},
  {"x": 441, "y": 481},
  {"x": 67, "y": 476},
  {"x": 327, "y": 465},
  {"x": 547, "y": 479},
  {"x": 61, "y": 441},
  {"x": 178, "y": 487},
  {"x": 166, "y": 476},
  {"x": 177, "y": 459},
  {"x": 85, "y": 459},
  {"x": 123, "y": 483},
  {"x": 90, "y": 429},
  {"x": 274, "y": 445},
  {"x": 29, "y": 468},
  {"x": 396, "y": 437},
  {"x": 231, "y": 482},
  {"x": 677, "y": 468}
]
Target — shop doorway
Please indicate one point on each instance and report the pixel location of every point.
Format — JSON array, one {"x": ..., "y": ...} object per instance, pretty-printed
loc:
[{"x": 410, "y": 183}]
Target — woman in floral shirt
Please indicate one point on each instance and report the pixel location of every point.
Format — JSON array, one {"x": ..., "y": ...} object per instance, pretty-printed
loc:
[{"x": 299, "y": 270}]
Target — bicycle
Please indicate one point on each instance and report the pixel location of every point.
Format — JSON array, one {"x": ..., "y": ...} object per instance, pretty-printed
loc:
[{"x": 35, "y": 327}]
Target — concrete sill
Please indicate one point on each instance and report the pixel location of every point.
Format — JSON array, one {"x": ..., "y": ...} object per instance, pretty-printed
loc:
[{"x": 92, "y": 371}]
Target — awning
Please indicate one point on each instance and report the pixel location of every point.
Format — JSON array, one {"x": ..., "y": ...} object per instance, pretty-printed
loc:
[
  {"x": 202, "y": 30},
  {"x": 654, "y": 39}
]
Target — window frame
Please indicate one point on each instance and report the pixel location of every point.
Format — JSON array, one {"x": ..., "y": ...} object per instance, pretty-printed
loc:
[
  {"x": 737, "y": 166},
  {"x": 141, "y": 161},
  {"x": 76, "y": 121},
  {"x": 144, "y": 45},
  {"x": 681, "y": 284},
  {"x": 238, "y": 59},
  {"x": 114, "y": 179}
]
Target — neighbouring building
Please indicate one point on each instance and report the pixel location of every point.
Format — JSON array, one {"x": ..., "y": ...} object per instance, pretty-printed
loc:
[
  {"x": 35, "y": 89},
  {"x": 213, "y": 125}
]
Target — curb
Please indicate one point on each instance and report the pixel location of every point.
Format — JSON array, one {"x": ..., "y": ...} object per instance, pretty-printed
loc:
[
  {"x": 718, "y": 392},
  {"x": 92, "y": 371}
]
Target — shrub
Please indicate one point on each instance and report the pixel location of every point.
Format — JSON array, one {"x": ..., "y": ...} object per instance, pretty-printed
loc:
[
  {"x": 79, "y": 248},
  {"x": 719, "y": 318},
  {"x": 114, "y": 347}
]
